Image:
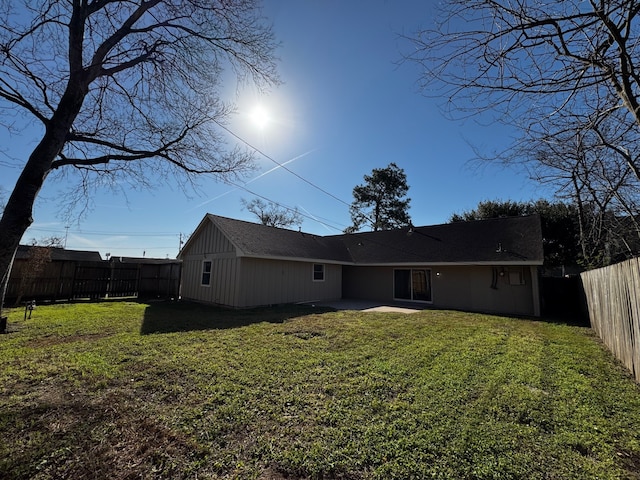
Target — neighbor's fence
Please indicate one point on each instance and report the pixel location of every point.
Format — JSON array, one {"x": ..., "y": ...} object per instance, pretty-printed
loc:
[
  {"x": 613, "y": 299},
  {"x": 70, "y": 280}
]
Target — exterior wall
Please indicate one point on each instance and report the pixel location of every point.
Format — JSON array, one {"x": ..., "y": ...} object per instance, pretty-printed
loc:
[
  {"x": 210, "y": 244},
  {"x": 268, "y": 282},
  {"x": 242, "y": 282},
  {"x": 457, "y": 287},
  {"x": 368, "y": 283}
]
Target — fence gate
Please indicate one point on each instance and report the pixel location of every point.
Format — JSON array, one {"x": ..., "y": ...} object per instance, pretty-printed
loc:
[
  {"x": 90, "y": 280},
  {"x": 123, "y": 281}
]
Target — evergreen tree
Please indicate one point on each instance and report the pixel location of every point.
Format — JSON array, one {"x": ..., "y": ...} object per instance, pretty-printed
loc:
[{"x": 381, "y": 201}]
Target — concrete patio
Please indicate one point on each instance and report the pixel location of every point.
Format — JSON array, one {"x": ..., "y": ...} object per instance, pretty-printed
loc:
[{"x": 371, "y": 306}]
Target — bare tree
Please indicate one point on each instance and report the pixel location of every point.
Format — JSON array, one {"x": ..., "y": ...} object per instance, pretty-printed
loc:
[
  {"x": 48, "y": 242},
  {"x": 492, "y": 54},
  {"x": 590, "y": 159},
  {"x": 273, "y": 214},
  {"x": 123, "y": 92},
  {"x": 565, "y": 72}
]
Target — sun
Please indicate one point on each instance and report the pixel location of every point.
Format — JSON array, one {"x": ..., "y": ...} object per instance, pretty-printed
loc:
[{"x": 260, "y": 117}]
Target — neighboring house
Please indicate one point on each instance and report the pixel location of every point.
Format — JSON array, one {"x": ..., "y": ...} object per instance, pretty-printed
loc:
[
  {"x": 484, "y": 266},
  {"x": 58, "y": 254}
]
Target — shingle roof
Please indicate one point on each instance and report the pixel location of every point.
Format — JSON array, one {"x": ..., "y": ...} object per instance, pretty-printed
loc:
[
  {"x": 62, "y": 254},
  {"x": 257, "y": 240},
  {"x": 145, "y": 260},
  {"x": 511, "y": 240},
  {"x": 514, "y": 240}
]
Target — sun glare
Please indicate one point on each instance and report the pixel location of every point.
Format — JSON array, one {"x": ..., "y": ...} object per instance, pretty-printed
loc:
[{"x": 260, "y": 117}]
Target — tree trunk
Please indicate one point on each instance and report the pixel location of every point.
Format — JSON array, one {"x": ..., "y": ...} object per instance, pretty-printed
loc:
[
  {"x": 18, "y": 211},
  {"x": 17, "y": 216}
]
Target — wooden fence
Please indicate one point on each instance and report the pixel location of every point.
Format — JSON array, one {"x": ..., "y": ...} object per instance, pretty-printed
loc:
[
  {"x": 70, "y": 280},
  {"x": 613, "y": 299}
]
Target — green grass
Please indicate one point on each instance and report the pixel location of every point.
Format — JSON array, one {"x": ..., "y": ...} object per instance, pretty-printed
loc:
[{"x": 125, "y": 390}]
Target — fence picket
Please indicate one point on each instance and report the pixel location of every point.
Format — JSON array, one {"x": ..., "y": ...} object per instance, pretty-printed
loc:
[
  {"x": 70, "y": 279},
  {"x": 613, "y": 301}
]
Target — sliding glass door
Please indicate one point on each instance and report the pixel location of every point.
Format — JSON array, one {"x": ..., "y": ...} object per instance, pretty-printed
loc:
[{"x": 412, "y": 284}]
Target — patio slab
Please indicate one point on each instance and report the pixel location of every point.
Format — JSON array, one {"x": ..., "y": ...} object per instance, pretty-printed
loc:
[{"x": 370, "y": 306}]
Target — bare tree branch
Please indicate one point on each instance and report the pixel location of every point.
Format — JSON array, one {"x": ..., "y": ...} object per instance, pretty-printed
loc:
[
  {"x": 127, "y": 91},
  {"x": 565, "y": 73}
]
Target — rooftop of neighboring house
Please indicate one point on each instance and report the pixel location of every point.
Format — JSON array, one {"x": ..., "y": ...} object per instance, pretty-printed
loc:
[
  {"x": 60, "y": 254},
  {"x": 145, "y": 260}
]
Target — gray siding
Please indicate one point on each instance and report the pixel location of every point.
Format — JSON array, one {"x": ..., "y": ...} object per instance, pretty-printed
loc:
[
  {"x": 210, "y": 244},
  {"x": 470, "y": 288},
  {"x": 368, "y": 283},
  {"x": 248, "y": 282},
  {"x": 266, "y": 282},
  {"x": 457, "y": 287},
  {"x": 241, "y": 282},
  {"x": 209, "y": 240}
]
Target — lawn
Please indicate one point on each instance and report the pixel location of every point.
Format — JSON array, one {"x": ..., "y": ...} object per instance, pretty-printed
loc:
[{"x": 124, "y": 390}]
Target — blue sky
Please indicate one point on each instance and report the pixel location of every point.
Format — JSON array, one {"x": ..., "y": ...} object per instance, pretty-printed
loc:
[{"x": 345, "y": 107}]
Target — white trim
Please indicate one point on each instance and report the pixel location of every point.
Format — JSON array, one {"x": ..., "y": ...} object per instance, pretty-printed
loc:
[
  {"x": 313, "y": 272},
  {"x": 295, "y": 259},
  {"x": 392, "y": 264},
  {"x": 448, "y": 264},
  {"x": 202, "y": 272}
]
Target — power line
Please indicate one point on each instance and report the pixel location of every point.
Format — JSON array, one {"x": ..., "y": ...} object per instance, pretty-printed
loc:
[
  {"x": 98, "y": 233},
  {"x": 281, "y": 165},
  {"x": 242, "y": 187},
  {"x": 101, "y": 247}
]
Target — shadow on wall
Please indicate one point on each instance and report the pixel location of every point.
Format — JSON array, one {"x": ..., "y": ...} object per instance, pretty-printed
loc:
[{"x": 167, "y": 317}]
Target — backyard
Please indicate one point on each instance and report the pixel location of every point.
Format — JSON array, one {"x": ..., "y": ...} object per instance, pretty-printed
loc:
[{"x": 125, "y": 390}]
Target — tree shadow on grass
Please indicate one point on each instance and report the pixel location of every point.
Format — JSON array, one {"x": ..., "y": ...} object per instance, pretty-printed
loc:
[
  {"x": 65, "y": 433},
  {"x": 167, "y": 317}
]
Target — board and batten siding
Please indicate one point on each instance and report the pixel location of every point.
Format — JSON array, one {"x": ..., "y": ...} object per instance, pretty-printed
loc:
[
  {"x": 211, "y": 244},
  {"x": 269, "y": 282}
]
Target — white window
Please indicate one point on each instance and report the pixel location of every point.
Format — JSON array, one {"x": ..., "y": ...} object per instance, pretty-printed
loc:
[
  {"x": 206, "y": 273},
  {"x": 318, "y": 272}
]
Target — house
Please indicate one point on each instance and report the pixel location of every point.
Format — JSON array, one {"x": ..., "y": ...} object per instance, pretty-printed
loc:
[
  {"x": 57, "y": 254},
  {"x": 484, "y": 266}
]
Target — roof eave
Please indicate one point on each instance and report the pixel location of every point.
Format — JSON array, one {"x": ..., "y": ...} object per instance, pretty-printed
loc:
[
  {"x": 518, "y": 263},
  {"x": 515, "y": 263},
  {"x": 294, "y": 259}
]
